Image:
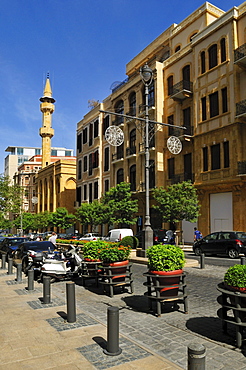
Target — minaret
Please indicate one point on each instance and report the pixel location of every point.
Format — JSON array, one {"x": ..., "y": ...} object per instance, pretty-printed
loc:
[{"x": 46, "y": 131}]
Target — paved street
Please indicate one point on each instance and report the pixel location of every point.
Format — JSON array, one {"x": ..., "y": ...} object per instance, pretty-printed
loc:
[{"x": 146, "y": 341}]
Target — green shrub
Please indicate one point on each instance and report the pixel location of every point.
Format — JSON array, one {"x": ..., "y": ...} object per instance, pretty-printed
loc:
[
  {"x": 91, "y": 250},
  {"x": 115, "y": 252},
  {"x": 236, "y": 276},
  {"x": 165, "y": 257},
  {"x": 130, "y": 240}
]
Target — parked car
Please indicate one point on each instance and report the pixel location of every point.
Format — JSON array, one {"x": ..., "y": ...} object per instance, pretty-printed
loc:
[
  {"x": 159, "y": 236},
  {"x": 91, "y": 236},
  {"x": 9, "y": 245},
  {"x": 37, "y": 249},
  {"x": 115, "y": 235},
  {"x": 231, "y": 243}
]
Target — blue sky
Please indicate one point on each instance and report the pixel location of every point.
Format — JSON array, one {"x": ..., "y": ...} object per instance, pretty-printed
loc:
[{"x": 84, "y": 45}]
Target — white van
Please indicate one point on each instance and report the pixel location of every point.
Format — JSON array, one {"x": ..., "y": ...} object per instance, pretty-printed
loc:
[{"x": 115, "y": 235}]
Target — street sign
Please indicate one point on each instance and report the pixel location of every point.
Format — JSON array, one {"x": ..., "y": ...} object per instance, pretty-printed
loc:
[{"x": 34, "y": 200}]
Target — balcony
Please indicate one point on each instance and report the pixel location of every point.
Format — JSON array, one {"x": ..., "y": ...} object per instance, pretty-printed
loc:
[
  {"x": 118, "y": 156},
  {"x": 118, "y": 121},
  {"x": 186, "y": 176},
  {"x": 182, "y": 90},
  {"x": 182, "y": 134},
  {"x": 241, "y": 109},
  {"x": 142, "y": 146},
  {"x": 241, "y": 168},
  {"x": 240, "y": 55},
  {"x": 130, "y": 151}
]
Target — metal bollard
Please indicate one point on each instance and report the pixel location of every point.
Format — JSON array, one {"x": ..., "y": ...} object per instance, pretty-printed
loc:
[
  {"x": 242, "y": 260},
  {"x": 30, "y": 285},
  {"x": 10, "y": 266},
  {"x": 3, "y": 261},
  {"x": 196, "y": 356},
  {"x": 46, "y": 289},
  {"x": 202, "y": 261},
  {"x": 19, "y": 272},
  {"x": 71, "y": 304},
  {"x": 113, "y": 348}
]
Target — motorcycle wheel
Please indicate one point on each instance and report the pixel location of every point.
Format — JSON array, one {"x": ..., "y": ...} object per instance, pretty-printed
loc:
[{"x": 52, "y": 279}]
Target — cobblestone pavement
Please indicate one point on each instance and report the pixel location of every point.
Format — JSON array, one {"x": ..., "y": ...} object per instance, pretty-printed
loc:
[{"x": 170, "y": 334}]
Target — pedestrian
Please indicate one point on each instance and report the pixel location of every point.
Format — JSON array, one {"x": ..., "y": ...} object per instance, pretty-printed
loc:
[
  {"x": 197, "y": 234},
  {"x": 52, "y": 238}
]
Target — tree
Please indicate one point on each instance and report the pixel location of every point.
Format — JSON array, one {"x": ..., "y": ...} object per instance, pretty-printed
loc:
[
  {"x": 178, "y": 202},
  {"x": 93, "y": 214},
  {"x": 10, "y": 196},
  {"x": 62, "y": 219},
  {"x": 27, "y": 221},
  {"x": 42, "y": 220},
  {"x": 121, "y": 207}
]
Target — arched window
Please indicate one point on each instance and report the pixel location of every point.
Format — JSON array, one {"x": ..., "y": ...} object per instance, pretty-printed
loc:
[
  {"x": 186, "y": 73},
  {"x": 203, "y": 62},
  {"x": 177, "y": 48},
  {"x": 132, "y": 104},
  {"x": 170, "y": 85},
  {"x": 223, "y": 50},
  {"x": 133, "y": 177},
  {"x": 119, "y": 108},
  {"x": 212, "y": 56},
  {"x": 120, "y": 176}
]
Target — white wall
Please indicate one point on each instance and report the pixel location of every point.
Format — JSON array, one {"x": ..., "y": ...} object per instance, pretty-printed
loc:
[{"x": 221, "y": 217}]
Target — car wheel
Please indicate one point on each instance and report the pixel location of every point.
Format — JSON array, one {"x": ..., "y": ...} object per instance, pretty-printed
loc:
[
  {"x": 233, "y": 253},
  {"x": 197, "y": 251}
]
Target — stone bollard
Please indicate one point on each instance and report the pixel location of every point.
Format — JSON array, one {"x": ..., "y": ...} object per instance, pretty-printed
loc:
[
  {"x": 242, "y": 260},
  {"x": 19, "y": 272},
  {"x": 30, "y": 285},
  {"x": 46, "y": 289},
  {"x": 3, "y": 261},
  {"x": 10, "y": 266},
  {"x": 196, "y": 356},
  {"x": 71, "y": 304},
  {"x": 202, "y": 261},
  {"x": 113, "y": 348}
]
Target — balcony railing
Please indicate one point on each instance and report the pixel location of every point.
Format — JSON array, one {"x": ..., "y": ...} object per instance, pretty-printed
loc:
[
  {"x": 118, "y": 155},
  {"x": 182, "y": 90},
  {"x": 174, "y": 131},
  {"x": 131, "y": 150},
  {"x": 241, "y": 168},
  {"x": 240, "y": 54},
  {"x": 241, "y": 108},
  {"x": 186, "y": 176}
]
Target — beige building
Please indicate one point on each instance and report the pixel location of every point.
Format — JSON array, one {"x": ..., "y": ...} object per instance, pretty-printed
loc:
[{"x": 199, "y": 83}]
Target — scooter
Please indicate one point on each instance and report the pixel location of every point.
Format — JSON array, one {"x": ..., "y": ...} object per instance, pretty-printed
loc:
[{"x": 65, "y": 268}]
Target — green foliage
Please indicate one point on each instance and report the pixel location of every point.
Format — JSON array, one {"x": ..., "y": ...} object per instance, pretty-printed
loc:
[
  {"x": 130, "y": 240},
  {"x": 121, "y": 207},
  {"x": 91, "y": 250},
  {"x": 42, "y": 220},
  {"x": 236, "y": 276},
  {"x": 94, "y": 214},
  {"x": 27, "y": 221},
  {"x": 114, "y": 252},
  {"x": 178, "y": 202},
  {"x": 62, "y": 219},
  {"x": 165, "y": 257}
]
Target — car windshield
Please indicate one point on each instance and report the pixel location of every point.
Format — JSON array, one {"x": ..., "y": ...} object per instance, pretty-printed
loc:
[
  {"x": 40, "y": 246},
  {"x": 241, "y": 235}
]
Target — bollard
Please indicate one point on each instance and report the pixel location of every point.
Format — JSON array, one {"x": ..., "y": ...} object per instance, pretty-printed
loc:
[
  {"x": 242, "y": 260},
  {"x": 71, "y": 304},
  {"x": 113, "y": 348},
  {"x": 202, "y": 261},
  {"x": 3, "y": 261},
  {"x": 46, "y": 289},
  {"x": 196, "y": 356},
  {"x": 19, "y": 272},
  {"x": 30, "y": 285},
  {"x": 10, "y": 266}
]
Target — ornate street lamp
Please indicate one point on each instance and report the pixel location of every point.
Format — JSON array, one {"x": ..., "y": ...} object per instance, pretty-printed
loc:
[{"x": 146, "y": 74}]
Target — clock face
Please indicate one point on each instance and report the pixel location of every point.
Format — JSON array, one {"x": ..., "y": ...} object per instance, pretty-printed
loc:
[
  {"x": 114, "y": 135},
  {"x": 174, "y": 145}
]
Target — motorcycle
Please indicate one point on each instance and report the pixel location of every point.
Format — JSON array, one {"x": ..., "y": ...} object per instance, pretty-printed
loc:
[{"x": 68, "y": 267}]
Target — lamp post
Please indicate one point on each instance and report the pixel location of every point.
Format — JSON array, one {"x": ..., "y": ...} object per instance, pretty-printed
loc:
[{"x": 146, "y": 74}]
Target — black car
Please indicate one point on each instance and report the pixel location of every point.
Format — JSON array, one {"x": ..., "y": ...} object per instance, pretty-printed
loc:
[
  {"x": 9, "y": 245},
  {"x": 159, "y": 236},
  {"x": 36, "y": 250},
  {"x": 231, "y": 243}
]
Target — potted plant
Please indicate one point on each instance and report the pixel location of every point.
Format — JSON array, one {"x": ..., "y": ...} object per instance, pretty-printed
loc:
[
  {"x": 91, "y": 255},
  {"x": 166, "y": 261}
]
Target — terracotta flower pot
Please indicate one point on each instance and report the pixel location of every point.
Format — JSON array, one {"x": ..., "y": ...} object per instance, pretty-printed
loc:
[
  {"x": 119, "y": 268},
  {"x": 167, "y": 278},
  {"x": 92, "y": 266}
]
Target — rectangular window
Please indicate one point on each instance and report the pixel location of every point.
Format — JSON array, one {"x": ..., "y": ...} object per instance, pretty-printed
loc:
[
  {"x": 212, "y": 56},
  {"x": 215, "y": 157},
  {"x": 224, "y": 100},
  {"x": 203, "y": 63},
  {"x": 85, "y": 164},
  {"x": 67, "y": 153},
  {"x": 37, "y": 151},
  {"x": 54, "y": 153},
  {"x": 95, "y": 159},
  {"x": 204, "y": 108},
  {"x": 90, "y": 134},
  {"x": 95, "y": 190},
  {"x": 105, "y": 124},
  {"x": 186, "y": 117},
  {"x": 78, "y": 195},
  {"x": 19, "y": 151},
  {"x": 226, "y": 154},
  {"x": 96, "y": 125},
  {"x": 106, "y": 185},
  {"x": 170, "y": 121},
  {"x": 85, "y": 192},
  {"x": 205, "y": 158},
  {"x": 90, "y": 163},
  {"x": 214, "y": 104},
  {"x": 223, "y": 50},
  {"x": 90, "y": 193},
  {"x": 171, "y": 170},
  {"x": 79, "y": 142},
  {"x": 79, "y": 170},
  {"x": 106, "y": 159},
  {"x": 85, "y": 135}
]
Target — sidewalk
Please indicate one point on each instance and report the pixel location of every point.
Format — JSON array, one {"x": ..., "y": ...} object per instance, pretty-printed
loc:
[{"x": 34, "y": 335}]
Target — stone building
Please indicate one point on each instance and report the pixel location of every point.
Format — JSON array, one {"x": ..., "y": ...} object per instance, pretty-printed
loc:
[{"x": 199, "y": 83}]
